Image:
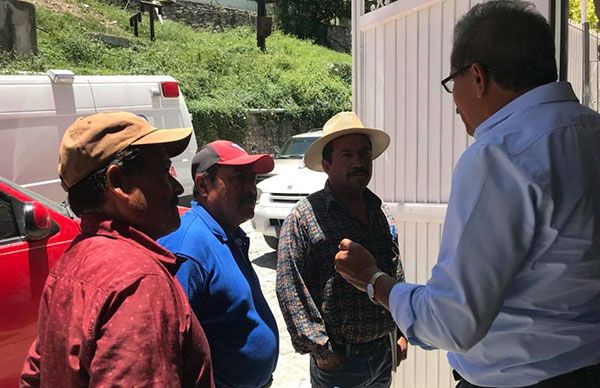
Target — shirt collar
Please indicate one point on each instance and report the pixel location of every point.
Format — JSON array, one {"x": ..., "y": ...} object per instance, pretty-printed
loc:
[
  {"x": 547, "y": 93},
  {"x": 332, "y": 200},
  {"x": 213, "y": 225},
  {"x": 97, "y": 224}
]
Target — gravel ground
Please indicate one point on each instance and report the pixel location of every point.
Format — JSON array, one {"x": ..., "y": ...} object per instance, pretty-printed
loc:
[{"x": 292, "y": 368}]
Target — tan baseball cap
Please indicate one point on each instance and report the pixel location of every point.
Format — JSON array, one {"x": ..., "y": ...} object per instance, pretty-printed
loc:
[{"x": 90, "y": 141}]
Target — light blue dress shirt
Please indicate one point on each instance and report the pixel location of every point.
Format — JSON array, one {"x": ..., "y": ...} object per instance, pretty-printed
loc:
[{"x": 515, "y": 295}]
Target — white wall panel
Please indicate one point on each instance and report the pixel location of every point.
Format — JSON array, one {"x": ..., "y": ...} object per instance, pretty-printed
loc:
[
  {"x": 434, "y": 110},
  {"x": 379, "y": 103},
  {"x": 411, "y": 122},
  {"x": 419, "y": 248},
  {"x": 422, "y": 96},
  {"x": 405, "y": 57},
  {"x": 389, "y": 158},
  {"x": 398, "y": 144},
  {"x": 448, "y": 112}
]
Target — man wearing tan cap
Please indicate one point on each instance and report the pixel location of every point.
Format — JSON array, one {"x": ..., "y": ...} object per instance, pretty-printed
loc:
[
  {"x": 111, "y": 313},
  {"x": 218, "y": 277},
  {"x": 346, "y": 332}
]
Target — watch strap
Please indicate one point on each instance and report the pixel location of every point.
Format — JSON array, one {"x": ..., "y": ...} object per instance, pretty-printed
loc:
[{"x": 372, "y": 282}]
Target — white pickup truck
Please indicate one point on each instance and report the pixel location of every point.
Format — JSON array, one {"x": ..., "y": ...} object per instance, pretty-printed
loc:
[
  {"x": 278, "y": 195},
  {"x": 35, "y": 110}
]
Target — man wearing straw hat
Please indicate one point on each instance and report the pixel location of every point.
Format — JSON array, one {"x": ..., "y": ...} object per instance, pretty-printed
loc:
[{"x": 345, "y": 331}]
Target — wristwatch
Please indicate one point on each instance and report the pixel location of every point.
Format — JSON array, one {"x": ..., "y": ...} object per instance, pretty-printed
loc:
[{"x": 371, "y": 286}]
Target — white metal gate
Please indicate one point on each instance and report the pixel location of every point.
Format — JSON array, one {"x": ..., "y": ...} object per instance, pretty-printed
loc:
[{"x": 401, "y": 52}]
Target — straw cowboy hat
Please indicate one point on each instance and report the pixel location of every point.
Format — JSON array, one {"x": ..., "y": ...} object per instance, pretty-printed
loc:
[{"x": 344, "y": 123}]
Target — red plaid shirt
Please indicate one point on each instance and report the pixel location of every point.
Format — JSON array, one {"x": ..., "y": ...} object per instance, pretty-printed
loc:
[{"x": 112, "y": 315}]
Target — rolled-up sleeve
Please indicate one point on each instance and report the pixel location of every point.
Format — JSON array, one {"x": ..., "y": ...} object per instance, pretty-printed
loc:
[{"x": 487, "y": 235}]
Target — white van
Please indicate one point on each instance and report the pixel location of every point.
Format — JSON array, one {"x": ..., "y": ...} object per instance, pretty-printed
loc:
[{"x": 35, "y": 110}]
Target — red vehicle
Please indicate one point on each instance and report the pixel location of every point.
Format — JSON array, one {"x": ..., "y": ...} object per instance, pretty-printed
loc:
[{"x": 34, "y": 232}]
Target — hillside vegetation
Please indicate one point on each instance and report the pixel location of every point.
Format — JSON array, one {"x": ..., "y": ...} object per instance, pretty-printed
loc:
[{"x": 222, "y": 74}]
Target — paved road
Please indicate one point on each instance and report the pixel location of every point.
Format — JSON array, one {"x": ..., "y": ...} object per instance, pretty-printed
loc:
[{"x": 292, "y": 368}]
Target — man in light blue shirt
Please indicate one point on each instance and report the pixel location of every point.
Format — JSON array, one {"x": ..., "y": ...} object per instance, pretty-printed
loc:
[{"x": 515, "y": 295}]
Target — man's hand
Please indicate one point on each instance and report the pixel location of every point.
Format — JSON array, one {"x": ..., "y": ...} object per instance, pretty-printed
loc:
[
  {"x": 355, "y": 264},
  {"x": 329, "y": 363},
  {"x": 402, "y": 350}
]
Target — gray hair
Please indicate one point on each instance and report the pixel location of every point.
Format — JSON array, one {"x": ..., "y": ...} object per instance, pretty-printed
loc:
[{"x": 511, "y": 40}]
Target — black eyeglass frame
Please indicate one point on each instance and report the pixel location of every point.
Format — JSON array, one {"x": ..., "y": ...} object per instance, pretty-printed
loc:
[{"x": 451, "y": 77}]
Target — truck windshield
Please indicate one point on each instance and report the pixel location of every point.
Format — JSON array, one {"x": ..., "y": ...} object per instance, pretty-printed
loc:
[{"x": 295, "y": 147}]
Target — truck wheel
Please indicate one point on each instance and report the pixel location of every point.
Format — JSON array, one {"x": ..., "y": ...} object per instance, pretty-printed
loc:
[{"x": 271, "y": 241}]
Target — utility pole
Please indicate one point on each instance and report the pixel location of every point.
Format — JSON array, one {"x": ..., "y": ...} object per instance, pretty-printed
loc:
[
  {"x": 263, "y": 24},
  {"x": 585, "y": 95}
]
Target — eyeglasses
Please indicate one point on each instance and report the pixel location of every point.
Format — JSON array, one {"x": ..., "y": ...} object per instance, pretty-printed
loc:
[{"x": 448, "y": 82}]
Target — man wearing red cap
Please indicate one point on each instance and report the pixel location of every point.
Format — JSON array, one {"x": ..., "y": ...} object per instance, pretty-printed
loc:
[{"x": 218, "y": 278}]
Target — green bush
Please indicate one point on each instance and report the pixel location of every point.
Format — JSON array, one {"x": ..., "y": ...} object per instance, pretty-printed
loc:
[
  {"x": 308, "y": 19},
  {"x": 221, "y": 74}
]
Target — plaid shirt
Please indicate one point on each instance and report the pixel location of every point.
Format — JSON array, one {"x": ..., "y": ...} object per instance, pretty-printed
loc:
[{"x": 319, "y": 307}]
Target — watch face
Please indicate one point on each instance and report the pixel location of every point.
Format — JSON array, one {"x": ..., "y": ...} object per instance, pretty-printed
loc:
[{"x": 370, "y": 291}]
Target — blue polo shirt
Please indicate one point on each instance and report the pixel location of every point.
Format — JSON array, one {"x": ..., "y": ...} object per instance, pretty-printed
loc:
[{"x": 225, "y": 294}]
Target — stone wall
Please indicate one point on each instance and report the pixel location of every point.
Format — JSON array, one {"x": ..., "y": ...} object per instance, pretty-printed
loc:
[
  {"x": 200, "y": 15},
  {"x": 17, "y": 27},
  {"x": 209, "y": 16},
  {"x": 268, "y": 136},
  {"x": 248, "y": 5},
  {"x": 339, "y": 38}
]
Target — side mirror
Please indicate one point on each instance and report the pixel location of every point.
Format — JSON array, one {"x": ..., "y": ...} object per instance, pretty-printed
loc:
[{"x": 36, "y": 221}]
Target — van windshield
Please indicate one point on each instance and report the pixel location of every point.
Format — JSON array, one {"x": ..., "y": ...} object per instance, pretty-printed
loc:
[{"x": 295, "y": 147}]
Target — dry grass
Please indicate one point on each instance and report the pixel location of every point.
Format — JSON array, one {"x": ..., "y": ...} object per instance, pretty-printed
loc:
[{"x": 76, "y": 8}]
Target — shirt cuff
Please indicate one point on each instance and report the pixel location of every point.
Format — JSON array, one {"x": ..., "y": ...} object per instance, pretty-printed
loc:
[{"x": 401, "y": 307}]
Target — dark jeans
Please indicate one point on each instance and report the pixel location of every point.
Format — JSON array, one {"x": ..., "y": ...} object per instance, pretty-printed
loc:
[
  {"x": 362, "y": 366},
  {"x": 588, "y": 377}
]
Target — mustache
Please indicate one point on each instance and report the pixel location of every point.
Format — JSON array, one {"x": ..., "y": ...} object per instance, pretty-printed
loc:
[
  {"x": 175, "y": 201},
  {"x": 359, "y": 170}
]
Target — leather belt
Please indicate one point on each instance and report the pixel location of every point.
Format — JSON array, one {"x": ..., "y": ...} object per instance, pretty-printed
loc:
[{"x": 363, "y": 348}]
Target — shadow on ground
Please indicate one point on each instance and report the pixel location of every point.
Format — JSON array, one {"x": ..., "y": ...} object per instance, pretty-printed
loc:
[{"x": 268, "y": 260}]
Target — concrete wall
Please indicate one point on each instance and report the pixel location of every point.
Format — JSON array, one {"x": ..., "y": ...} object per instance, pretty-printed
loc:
[{"x": 17, "y": 27}]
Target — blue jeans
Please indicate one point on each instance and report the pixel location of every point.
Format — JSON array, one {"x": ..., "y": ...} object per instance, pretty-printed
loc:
[{"x": 360, "y": 369}]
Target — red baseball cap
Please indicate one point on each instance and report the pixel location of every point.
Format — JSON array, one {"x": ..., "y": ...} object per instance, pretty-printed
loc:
[{"x": 227, "y": 153}]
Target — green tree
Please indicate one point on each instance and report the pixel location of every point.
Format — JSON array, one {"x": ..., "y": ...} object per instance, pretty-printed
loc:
[{"x": 592, "y": 13}]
